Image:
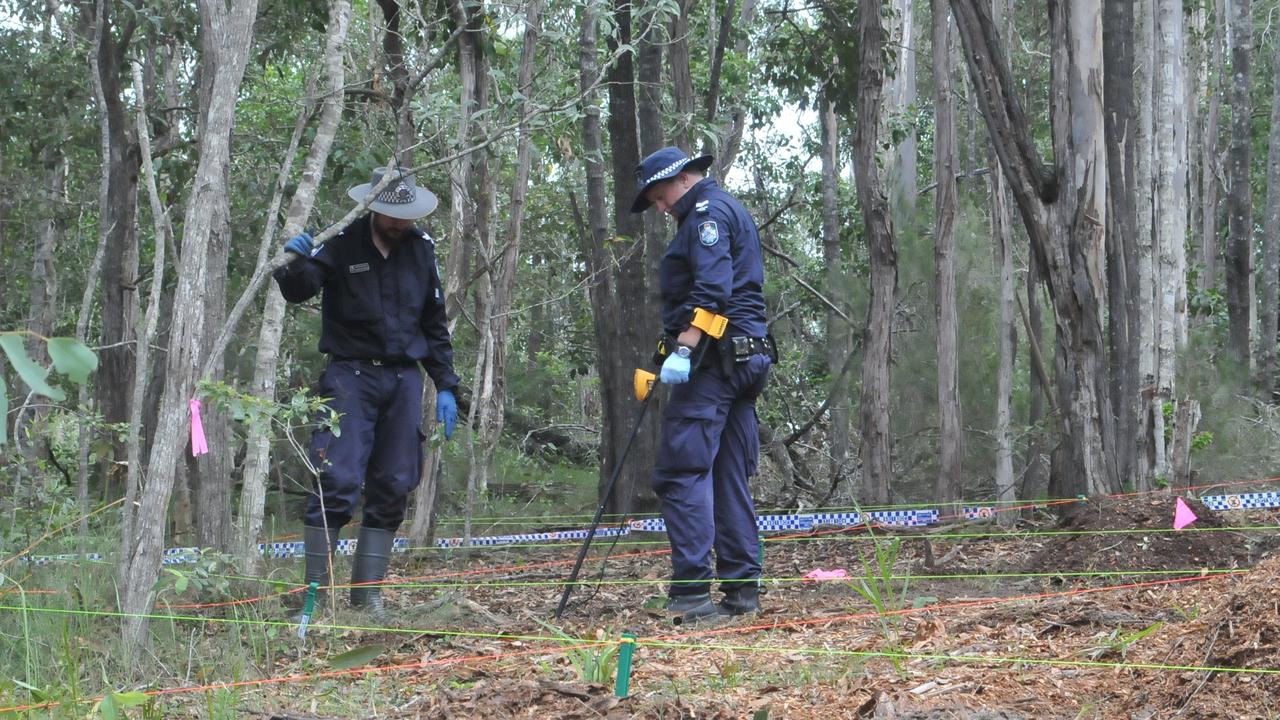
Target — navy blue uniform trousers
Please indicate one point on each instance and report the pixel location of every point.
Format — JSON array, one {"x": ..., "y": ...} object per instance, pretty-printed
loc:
[
  {"x": 710, "y": 449},
  {"x": 378, "y": 449}
]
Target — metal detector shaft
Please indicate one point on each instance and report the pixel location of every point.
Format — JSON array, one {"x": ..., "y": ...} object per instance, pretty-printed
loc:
[{"x": 604, "y": 501}]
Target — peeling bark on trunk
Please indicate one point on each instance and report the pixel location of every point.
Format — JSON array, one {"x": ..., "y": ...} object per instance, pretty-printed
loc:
[
  {"x": 1007, "y": 333},
  {"x": 875, "y": 409},
  {"x": 1064, "y": 211},
  {"x": 900, "y": 96},
  {"x": 948, "y": 484},
  {"x": 1122, "y": 235}
]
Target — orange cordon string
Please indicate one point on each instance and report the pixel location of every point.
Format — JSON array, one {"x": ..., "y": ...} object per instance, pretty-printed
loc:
[
  {"x": 328, "y": 674},
  {"x": 659, "y": 638},
  {"x": 944, "y": 606}
]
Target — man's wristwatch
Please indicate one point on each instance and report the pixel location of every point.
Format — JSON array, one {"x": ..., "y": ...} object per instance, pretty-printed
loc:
[{"x": 684, "y": 351}]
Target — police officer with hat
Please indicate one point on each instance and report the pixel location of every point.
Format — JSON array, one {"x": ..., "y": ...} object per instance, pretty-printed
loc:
[
  {"x": 710, "y": 445},
  {"x": 382, "y": 321}
]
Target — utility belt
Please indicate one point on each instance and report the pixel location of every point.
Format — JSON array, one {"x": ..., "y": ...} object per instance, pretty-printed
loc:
[
  {"x": 725, "y": 353},
  {"x": 376, "y": 362}
]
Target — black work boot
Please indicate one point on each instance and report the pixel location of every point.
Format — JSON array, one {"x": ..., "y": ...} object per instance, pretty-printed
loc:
[
  {"x": 681, "y": 604},
  {"x": 373, "y": 554},
  {"x": 741, "y": 599},
  {"x": 319, "y": 547}
]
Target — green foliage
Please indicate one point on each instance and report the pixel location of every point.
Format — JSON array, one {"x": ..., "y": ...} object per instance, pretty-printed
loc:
[
  {"x": 69, "y": 358},
  {"x": 595, "y": 663},
  {"x": 879, "y": 586},
  {"x": 1117, "y": 643}
]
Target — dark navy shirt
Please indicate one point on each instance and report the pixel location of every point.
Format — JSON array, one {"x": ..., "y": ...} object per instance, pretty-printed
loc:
[
  {"x": 713, "y": 263},
  {"x": 389, "y": 309}
]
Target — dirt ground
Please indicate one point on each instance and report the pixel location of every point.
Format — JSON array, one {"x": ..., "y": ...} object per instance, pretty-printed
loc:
[{"x": 1108, "y": 613}]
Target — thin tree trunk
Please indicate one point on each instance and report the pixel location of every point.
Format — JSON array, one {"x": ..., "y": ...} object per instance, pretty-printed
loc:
[
  {"x": 489, "y": 397},
  {"x": 947, "y": 487},
  {"x": 1169, "y": 195},
  {"x": 900, "y": 96},
  {"x": 253, "y": 492},
  {"x": 1210, "y": 186},
  {"x": 151, "y": 315},
  {"x": 1240, "y": 292},
  {"x": 44, "y": 271},
  {"x": 229, "y": 42},
  {"x": 875, "y": 409},
  {"x": 681, "y": 79},
  {"x": 839, "y": 337},
  {"x": 595, "y": 235},
  {"x": 118, "y": 220},
  {"x": 1006, "y": 331},
  {"x": 1271, "y": 245}
]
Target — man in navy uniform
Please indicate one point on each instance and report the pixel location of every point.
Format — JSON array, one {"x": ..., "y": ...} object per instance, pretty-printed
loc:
[
  {"x": 710, "y": 446},
  {"x": 382, "y": 315}
]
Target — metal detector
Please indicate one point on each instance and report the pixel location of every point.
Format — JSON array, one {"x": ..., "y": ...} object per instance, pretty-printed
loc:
[{"x": 713, "y": 326}]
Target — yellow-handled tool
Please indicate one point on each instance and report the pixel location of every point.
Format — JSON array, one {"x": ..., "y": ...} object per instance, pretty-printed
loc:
[{"x": 643, "y": 381}]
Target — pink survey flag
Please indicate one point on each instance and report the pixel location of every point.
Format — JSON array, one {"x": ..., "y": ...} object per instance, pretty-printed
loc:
[
  {"x": 198, "y": 445},
  {"x": 1182, "y": 515}
]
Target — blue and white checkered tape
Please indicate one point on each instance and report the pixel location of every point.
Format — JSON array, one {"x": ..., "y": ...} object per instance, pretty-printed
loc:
[
  {"x": 532, "y": 537},
  {"x": 1242, "y": 501}
]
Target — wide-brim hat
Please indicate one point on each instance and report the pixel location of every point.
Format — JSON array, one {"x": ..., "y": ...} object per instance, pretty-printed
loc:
[
  {"x": 401, "y": 198},
  {"x": 662, "y": 165}
]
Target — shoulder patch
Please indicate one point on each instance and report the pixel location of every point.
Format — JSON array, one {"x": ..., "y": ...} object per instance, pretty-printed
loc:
[
  {"x": 702, "y": 207},
  {"x": 708, "y": 233}
]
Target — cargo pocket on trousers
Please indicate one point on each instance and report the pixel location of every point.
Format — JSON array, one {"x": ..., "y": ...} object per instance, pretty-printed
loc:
[{"x": 686, "y": 447}]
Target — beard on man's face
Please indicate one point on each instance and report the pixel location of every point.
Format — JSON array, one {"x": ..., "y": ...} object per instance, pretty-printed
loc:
[{"x": 390, "y": 228}]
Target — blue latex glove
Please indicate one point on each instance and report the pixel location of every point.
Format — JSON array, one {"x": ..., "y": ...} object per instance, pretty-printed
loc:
[
  {"x": 447, "y": 411},
  {"x": 675, "y": 370},
  {"x": 300, "y": 244}
]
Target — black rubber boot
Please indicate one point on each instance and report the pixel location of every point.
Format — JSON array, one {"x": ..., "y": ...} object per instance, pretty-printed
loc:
[
  {"x": 741, "y": 599},
  {"x": 320, "y": 545},
  {"x": 373, "y": 554},
  {"x": 682, "y": 604}
]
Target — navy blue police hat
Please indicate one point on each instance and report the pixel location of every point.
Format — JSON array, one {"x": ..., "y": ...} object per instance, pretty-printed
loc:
[{"x": 662, "y": 165}]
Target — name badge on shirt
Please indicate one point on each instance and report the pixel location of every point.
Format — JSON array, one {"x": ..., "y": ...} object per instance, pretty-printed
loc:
[{"x": 358, "y": 268}]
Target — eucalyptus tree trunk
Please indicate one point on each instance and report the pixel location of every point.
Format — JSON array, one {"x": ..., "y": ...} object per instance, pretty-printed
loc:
[
  {"x": 635, "y": 339},
  {"x": 732, "y": 126},
  {"x": 1271, "y": 246},
  {"x": 209, "y": 475},
  {"x": 44, "y": 272},
  {"x": 393, "y": 59},
  {"x": 649, "y": 124},
  {"x": 1123, "y": 238},
  {"x": 681, "y": 80},
  {"x": 257, "y": 464},
  {"x": 875, "y": 409},
  {"x": 947, "y": 486},
  {"x": 839, "y": 338},
  {"x": 1064, "y": 210},
  {"x": 594, "y": 240},
  {"x": 117, "y": 217},
  {"x": 1239, "y": 255},
  {"x": 489, "y": 396},
  {"x": 900, "y": 96},
  {"x": 151, "y": 314},
  {"x": 230, "y": 31},
  {"x": 1209, "y": 160},
  {"x": 483, "y": 196},
  {"x": 1006, "y": 331},
  {"x": 1169, "y": 208}
]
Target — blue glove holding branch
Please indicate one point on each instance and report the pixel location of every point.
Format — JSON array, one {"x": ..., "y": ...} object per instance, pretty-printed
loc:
[
  {"x": 300, "y": 244},
  {"x": 675, "y": 370},
  {"x": 447, "y": 411}
]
